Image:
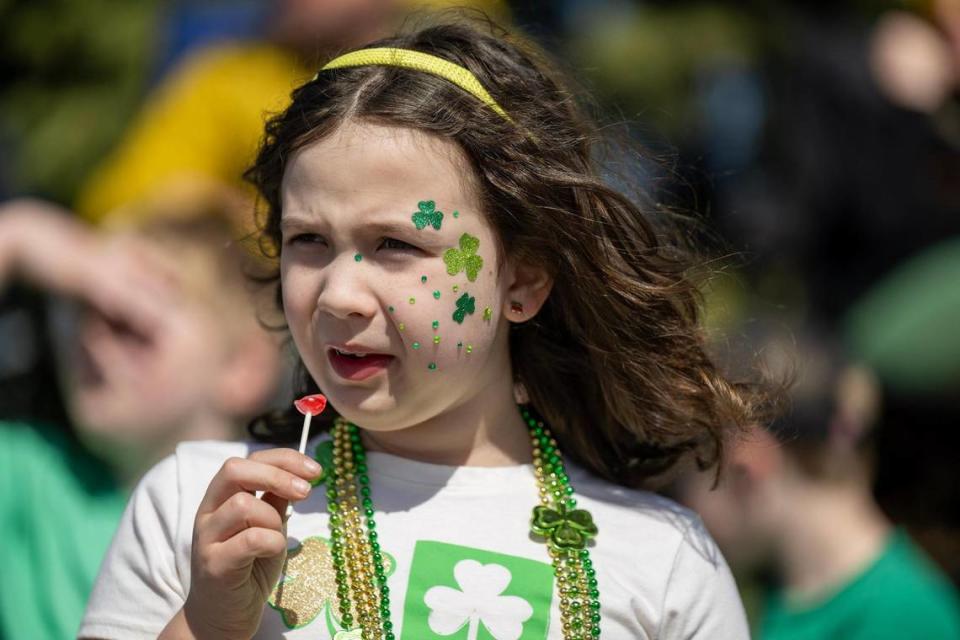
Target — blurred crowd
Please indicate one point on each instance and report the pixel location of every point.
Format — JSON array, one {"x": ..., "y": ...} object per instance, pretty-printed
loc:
[{"x": 818, "y": 144}]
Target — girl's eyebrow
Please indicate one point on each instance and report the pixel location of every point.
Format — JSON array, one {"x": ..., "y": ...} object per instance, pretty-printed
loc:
[
  {"x": 389, "y": 227},
  {"x": 379, "y": 227},
  {"x": 293, "y": 221}
]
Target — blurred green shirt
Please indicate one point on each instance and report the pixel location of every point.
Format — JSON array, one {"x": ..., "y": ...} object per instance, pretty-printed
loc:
[
  {"x": 59, "y": 508},
  {"x": 901, "y": 595}
]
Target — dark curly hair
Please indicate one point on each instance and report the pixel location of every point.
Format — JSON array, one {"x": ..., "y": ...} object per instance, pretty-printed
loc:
[{"x": 615, "y": 361}]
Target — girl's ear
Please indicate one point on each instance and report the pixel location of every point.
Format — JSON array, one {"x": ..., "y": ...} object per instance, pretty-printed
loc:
[{"x": 527, "y": 290}]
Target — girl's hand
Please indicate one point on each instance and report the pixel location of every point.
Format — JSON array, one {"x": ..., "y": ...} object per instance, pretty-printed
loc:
[{"x": 240, "y": 542}]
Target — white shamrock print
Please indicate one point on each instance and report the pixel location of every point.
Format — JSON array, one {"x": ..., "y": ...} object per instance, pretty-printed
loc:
[{"x": 478, "y": 601}]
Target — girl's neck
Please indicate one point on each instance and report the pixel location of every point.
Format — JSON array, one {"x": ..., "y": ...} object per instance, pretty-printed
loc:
[{"x": 484, "y": 431}]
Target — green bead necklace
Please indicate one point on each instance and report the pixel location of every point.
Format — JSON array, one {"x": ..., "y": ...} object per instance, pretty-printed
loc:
[{"x": 362, "y": 588}]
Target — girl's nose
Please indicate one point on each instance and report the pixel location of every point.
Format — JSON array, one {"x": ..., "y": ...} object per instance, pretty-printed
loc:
[{"x": 345, "y": 291}]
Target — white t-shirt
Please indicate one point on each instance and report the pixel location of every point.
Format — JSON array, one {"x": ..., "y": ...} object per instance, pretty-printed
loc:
[{"x": 461, "y": 560}]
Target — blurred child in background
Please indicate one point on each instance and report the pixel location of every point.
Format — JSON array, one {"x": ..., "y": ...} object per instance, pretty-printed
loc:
[
  {"x": 795, "y": 502},
  {"x": 146, "y": 359}
]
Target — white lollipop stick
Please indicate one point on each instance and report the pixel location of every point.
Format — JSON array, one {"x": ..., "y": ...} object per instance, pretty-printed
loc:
[
  {"x": 308, "y": 406},
  {"x": 305, "y": 434}
]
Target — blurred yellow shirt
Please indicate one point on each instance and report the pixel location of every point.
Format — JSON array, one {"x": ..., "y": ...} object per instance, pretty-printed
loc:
[{"x": 201, "y": 126}]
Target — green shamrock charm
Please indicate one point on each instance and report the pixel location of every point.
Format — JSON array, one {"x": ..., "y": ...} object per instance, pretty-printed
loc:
[
  {"x": 427, "y": 216},
  {"x": 564, "y": 528},
  {"x": 323, "y": 453},
  {"x": 465, "y": 258},
  {"x": 465, "y": 304}
]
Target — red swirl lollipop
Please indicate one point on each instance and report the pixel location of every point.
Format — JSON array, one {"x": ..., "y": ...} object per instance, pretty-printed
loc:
[{"x": 311, "y": 405}]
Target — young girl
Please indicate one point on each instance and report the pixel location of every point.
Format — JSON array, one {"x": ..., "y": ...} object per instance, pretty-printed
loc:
[{"x": 447, "y": 249}]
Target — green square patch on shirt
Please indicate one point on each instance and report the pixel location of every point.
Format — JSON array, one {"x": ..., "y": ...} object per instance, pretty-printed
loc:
[{"x": 461, "y": 593}]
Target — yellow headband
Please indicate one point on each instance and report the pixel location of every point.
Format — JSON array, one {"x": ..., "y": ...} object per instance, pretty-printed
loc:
[{"x": 409, "y": 59}]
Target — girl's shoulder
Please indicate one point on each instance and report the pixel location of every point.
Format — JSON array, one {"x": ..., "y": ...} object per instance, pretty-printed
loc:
[
  {"x": 184, "y": 475},
  {"x": 645, "y": 515},
  {"x": 199, "y": 460}
]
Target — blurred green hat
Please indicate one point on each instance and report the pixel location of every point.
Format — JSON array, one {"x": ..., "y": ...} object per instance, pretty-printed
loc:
[{"x": 907, "y": 327}]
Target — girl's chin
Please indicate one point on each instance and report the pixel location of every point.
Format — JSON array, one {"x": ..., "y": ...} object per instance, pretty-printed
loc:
[{"x": 360, "y": 404}]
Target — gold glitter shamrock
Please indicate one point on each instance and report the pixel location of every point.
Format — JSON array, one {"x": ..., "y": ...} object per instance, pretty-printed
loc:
[
  {"x": 465, "y": 258},
  {"x": 465, "y": 304},
  {"x": 563, "y": 527},
  {"x": 428, "y": 215},
  {"x": 308, "y": 585}
]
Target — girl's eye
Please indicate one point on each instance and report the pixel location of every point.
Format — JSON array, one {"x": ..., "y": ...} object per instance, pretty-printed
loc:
[
  {"x": 307, "y": 238},
  {"x": 396, "y": 245}
]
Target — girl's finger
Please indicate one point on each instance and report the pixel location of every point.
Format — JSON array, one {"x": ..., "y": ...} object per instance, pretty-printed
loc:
[
  {"x": 289, "y": 459},
  {"x": 241, "y": 511},
  {"x": 277, "y": 503},
  {"x": 241, "y": 474},
  {"x": 242, "y": 549}
]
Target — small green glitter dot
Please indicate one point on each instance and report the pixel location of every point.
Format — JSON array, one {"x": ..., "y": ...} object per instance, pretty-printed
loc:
[
  {"x": 436, "y": 339},
  {"x": 456, "y": 214},
  {"x": 358, "y": 257},
  {"x": 412, "y": 300},
  {"x": 416, "y": 345},
  {"x": 436, "y": 295},
  {"x": 456, "y": 288},
  {"x": 487, "y": 313},
  {"x": 390, "y": 308},
  {"x": 423, "y": 278},
  {"x": 469, "y": 348},
  {"x": 460, "y": 344},
  {"x": 402, "y": 326},
  {"x": 432, "y": 366},
  {"x": 436, "y": 324}
]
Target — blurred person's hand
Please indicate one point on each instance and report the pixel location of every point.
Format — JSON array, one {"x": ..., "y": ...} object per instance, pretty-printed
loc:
[{"x": 43, "y": 245}]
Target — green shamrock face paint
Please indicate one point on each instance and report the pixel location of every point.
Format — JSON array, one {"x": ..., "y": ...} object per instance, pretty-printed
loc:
[
  {"x": 466, "y": 304},
  {"x": 465, "y": 258},
  {"x": 427, "y": 216}
]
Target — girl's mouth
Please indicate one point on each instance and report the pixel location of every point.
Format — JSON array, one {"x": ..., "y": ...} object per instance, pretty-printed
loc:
[{"x": 357, "y": 365}]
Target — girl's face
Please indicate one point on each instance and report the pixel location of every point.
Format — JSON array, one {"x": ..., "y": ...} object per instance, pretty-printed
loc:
[{"x": 392, "y": 287}]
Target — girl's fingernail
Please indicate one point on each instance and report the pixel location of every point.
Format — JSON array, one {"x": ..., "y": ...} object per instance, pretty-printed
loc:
[
  {"x": 301, "y": 486},
  {"x": 312, "y": 466}
]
